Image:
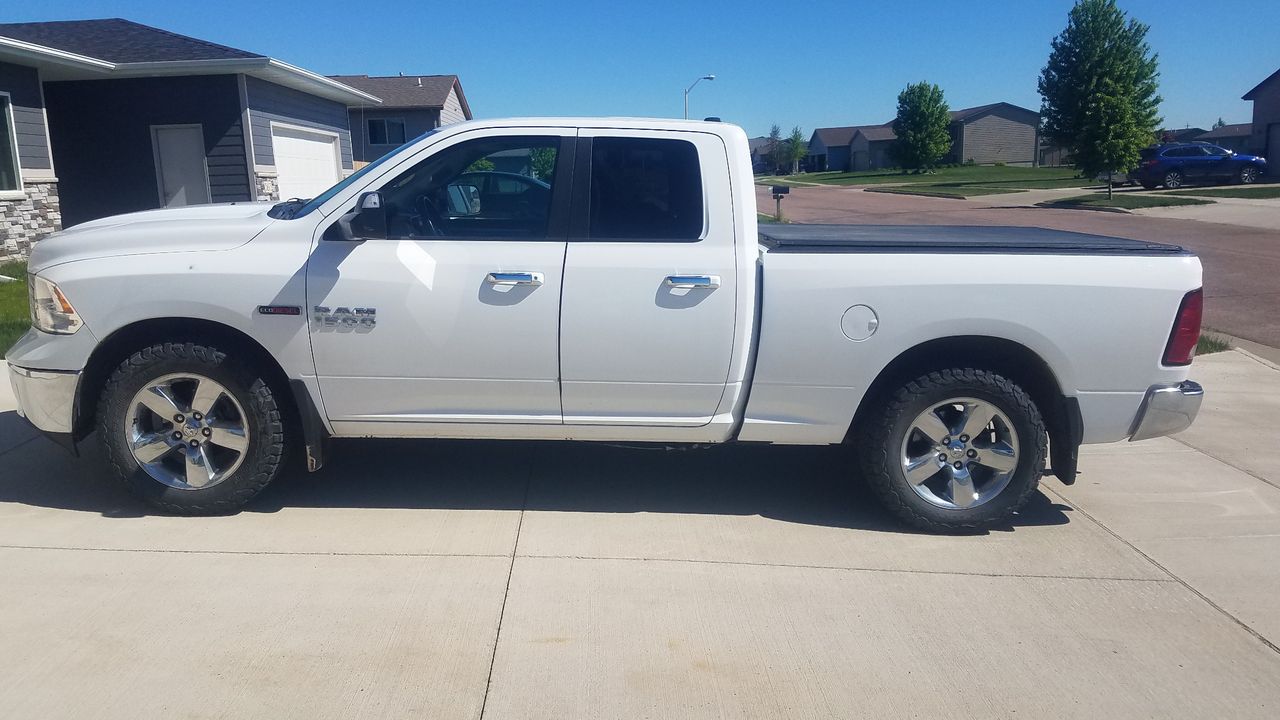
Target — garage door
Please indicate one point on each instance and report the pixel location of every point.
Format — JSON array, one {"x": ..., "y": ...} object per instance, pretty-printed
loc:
[{"x": 307, "y": 163}]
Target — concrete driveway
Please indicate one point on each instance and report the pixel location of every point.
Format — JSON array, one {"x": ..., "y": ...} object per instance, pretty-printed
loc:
[
  {"x": 1241, "y": 263},
  {"x": 522, "y": 580}
]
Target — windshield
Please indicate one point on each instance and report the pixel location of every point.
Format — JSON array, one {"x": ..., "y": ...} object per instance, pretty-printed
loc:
[{"x": 327, "y": 195}]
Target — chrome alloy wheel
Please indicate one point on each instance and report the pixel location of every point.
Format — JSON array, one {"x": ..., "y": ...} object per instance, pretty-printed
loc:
[
  {"x": 960, "y": 453},
  {"x": 187, "y": 431},
  {"x": 1248, "y": 174}
]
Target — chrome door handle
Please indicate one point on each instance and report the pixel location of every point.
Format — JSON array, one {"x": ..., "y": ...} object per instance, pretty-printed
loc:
[
  {"x": 514, "y": 278},
  {"x": 693, "y": 281}
]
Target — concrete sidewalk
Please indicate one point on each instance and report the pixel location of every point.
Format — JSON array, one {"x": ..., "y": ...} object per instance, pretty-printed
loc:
[
  {"x": 525, "y": 580},
  {"x": 1245, "y": 212}
]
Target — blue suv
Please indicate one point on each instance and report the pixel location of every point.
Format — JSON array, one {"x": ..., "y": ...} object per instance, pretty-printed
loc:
[{"x": 1175, "y": 164}]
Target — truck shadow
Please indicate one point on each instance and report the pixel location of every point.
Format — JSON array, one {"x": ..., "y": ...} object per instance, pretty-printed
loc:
[{"x": 813, "y": 486}]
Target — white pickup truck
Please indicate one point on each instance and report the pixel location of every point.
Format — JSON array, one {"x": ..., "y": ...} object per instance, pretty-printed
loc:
[{"x": 588, "y": 279}]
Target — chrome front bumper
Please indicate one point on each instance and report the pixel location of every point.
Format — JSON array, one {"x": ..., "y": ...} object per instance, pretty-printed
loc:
[
  {"x": 1167, "y": 409},
  {"x": 46, "y": 398}
]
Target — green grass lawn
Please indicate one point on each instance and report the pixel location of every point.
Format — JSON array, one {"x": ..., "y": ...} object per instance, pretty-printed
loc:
[
  {"x": 1127, "y": 200},
  {"x": 958, "y": 192},
  {"x": 993, "y": 176},
  {"x": 766, "y": 218},
  {"x": 1256, "y": 192},
  {"x": 15, "y": 315}
]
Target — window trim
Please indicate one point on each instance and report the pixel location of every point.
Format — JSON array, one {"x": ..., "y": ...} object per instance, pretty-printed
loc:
[
  {"x": 404, "y": 130},
  {"x": 20, "y": 192},
  {"x": 580, "y": 224}
]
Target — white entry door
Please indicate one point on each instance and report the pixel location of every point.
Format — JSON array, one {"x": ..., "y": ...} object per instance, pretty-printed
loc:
[
  {"x": 181, "y": 173},
  {"x": 307, "y": 162}
]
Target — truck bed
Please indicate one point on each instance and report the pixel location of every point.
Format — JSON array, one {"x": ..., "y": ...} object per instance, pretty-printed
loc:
[{"x": 800, "y": 238}]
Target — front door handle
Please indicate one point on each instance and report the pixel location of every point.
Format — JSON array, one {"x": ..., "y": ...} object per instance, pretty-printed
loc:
[
  {"x": 514, "y": 278},
  {"x": 710, "y": 282}
]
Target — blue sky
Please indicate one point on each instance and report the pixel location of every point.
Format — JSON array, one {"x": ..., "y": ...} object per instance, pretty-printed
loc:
[{"x": 811, "y": 64}]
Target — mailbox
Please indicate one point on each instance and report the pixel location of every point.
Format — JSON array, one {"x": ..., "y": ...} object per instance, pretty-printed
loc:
[{"x": 780, "y": 190}]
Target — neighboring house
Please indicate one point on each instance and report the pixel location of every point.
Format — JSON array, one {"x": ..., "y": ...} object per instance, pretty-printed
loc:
[
  {"x": 759, "y": 147},
  {"x": 869, "y": 148},
  {"x": 829, "y": 149},
  {"x": 1266, "y": 119},
  {"x": 988, "y": 134},
  {"x": 110, "y": 116},
  {"x": 1172, "y": 135},
  {"x": 1236, "y": 137},
  {"x": 996, "y": 133},
  {"x": 411, "y": 105}
]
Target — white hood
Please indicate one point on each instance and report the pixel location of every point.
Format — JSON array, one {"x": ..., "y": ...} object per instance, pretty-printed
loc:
[{"x": 183, "y": 229}]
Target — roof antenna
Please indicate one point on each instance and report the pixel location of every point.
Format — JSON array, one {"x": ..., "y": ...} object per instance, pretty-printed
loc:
[{"x": 419, "y": 82}]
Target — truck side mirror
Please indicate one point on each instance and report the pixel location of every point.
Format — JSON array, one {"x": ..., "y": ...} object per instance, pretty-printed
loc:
[{"x": 367, "y": 221}]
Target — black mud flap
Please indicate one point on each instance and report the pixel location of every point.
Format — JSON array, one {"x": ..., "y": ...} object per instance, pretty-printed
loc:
[
  {"x": 315, "y": 438},
  {"x": 1066, "y": 432}
]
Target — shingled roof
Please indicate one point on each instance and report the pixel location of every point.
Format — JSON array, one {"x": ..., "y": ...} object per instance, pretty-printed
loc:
[
  {"x": 1227, "y": 131},
  {"x": 120, "y": 41},
  {"x": 408, "y": 91}
]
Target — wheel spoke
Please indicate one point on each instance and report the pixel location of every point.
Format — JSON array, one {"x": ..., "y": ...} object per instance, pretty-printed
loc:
[
  {"x": 229, "y": 436},
  {"x": 921, "y": 469},
  {"x": 199, "y": 469},
  {"x": 999, "y": 457},
  {"x": 961, "y": 487},
  {"x": 159, "y": 400},
  {"x": 975, "y": 419},
  {"x": 151, "y": 447},
  {"x": 206, "y": 395},
  {"x": 932, "y": 427}
]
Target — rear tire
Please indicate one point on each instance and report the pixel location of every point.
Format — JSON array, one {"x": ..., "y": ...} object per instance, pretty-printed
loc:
[
  {"x": 1173, "y": 180},
  {"x": 915, "y": 475},
  {"x": 189, "y": 429}
]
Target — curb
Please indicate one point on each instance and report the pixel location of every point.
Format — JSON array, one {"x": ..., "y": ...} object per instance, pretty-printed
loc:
[{"x": 1063, "y": 206}]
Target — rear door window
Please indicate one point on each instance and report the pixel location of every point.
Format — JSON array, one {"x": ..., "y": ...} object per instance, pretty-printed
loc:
[{"x": 645, "y": 189}]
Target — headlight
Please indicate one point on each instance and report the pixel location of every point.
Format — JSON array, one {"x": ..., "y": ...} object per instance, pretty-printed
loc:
[{"x": 50, "y": 309}]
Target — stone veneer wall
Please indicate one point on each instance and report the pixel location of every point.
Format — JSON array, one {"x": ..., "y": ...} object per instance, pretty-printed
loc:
[
  {"x": 266, "y": 187},
  {"x": 25, "y": 222}
]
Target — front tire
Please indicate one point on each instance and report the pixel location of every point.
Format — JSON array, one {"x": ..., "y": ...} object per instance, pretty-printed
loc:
[
  {"x": 190, "y": 430},
  {"x": 1248, "y": 175},
  {"x": 957, "y": 450}
]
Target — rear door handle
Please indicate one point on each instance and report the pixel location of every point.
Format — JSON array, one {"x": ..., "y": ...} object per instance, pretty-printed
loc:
[
  {"x": 514, "y": 278},
  {"x": 693, "y": 281}
]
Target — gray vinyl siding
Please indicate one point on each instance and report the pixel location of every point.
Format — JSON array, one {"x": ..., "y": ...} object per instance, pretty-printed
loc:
[
  {"x": 1002, "y": 136},
  {"x": 270, "y": 102},
  {"x": 23, "y": 85},
  {"x": 452, "y": 110}
]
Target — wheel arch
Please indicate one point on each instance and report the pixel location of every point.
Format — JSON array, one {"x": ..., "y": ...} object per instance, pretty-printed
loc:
[
  {"x": 301, "y": 414},
  {"x": 1006, "y": 357}
]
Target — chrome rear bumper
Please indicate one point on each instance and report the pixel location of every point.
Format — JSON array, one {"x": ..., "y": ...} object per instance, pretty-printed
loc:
[
  {"x": 1167, "y": 409},
  {"x": 46, "y": 398}
]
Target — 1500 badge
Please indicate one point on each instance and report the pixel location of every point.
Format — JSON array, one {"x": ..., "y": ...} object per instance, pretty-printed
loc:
[{"x": 345, "y": 318}]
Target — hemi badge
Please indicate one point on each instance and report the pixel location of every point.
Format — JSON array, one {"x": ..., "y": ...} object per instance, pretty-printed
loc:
[{"x": 279, "y": 310}]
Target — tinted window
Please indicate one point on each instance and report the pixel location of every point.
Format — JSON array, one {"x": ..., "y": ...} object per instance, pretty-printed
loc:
[
  {"x": 644, "y": 188},
  {"x": 492, "y": 187},
  {"x": 386, "y": 132}
]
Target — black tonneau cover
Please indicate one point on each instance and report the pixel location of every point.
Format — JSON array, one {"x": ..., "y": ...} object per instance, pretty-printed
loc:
[{"x": 800, "y": 238}]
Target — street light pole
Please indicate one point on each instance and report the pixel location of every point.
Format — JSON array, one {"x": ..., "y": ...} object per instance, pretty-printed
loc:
[{"x": 686, "y": 93}]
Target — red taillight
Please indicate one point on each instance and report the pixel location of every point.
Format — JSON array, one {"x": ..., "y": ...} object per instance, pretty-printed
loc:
[
  {"x": 1186, "y": 330},
  {"x": 1149, "y": 163}
]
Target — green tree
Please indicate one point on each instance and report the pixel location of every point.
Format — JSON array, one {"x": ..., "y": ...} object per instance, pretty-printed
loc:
[
  {"x": 1099, "y": 89},
  {"x": 797, "y": 148},
  {"x": 774, "y": 150},
  {"x": 1218, "y": 124},
  {"x": 921, "y": 127},
  {"x": 543, "y": 162}
]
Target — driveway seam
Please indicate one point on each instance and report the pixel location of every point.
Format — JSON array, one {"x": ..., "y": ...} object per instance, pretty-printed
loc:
[
  {"x": 799, "y": 566},
  {"x": 1260, "y": 637},
  {"x": 506, "y": 592},
  {"x": 1226, "y": 462}
]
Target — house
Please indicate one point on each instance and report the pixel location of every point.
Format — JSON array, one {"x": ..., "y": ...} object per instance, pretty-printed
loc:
[
  {"x": 985, "y": 135},
  {"x": 110, "y": 116},
  {"x": 999, "y": 133},
  {"x": 829, "y": 149},
  {"x": 759, "y": 147},
  {"x": 1177, "y": 135},
  {"x": 1266, "y": 119},
  {"x": 411, "y": 105},
  {"x": 1232, "y": 137}
]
